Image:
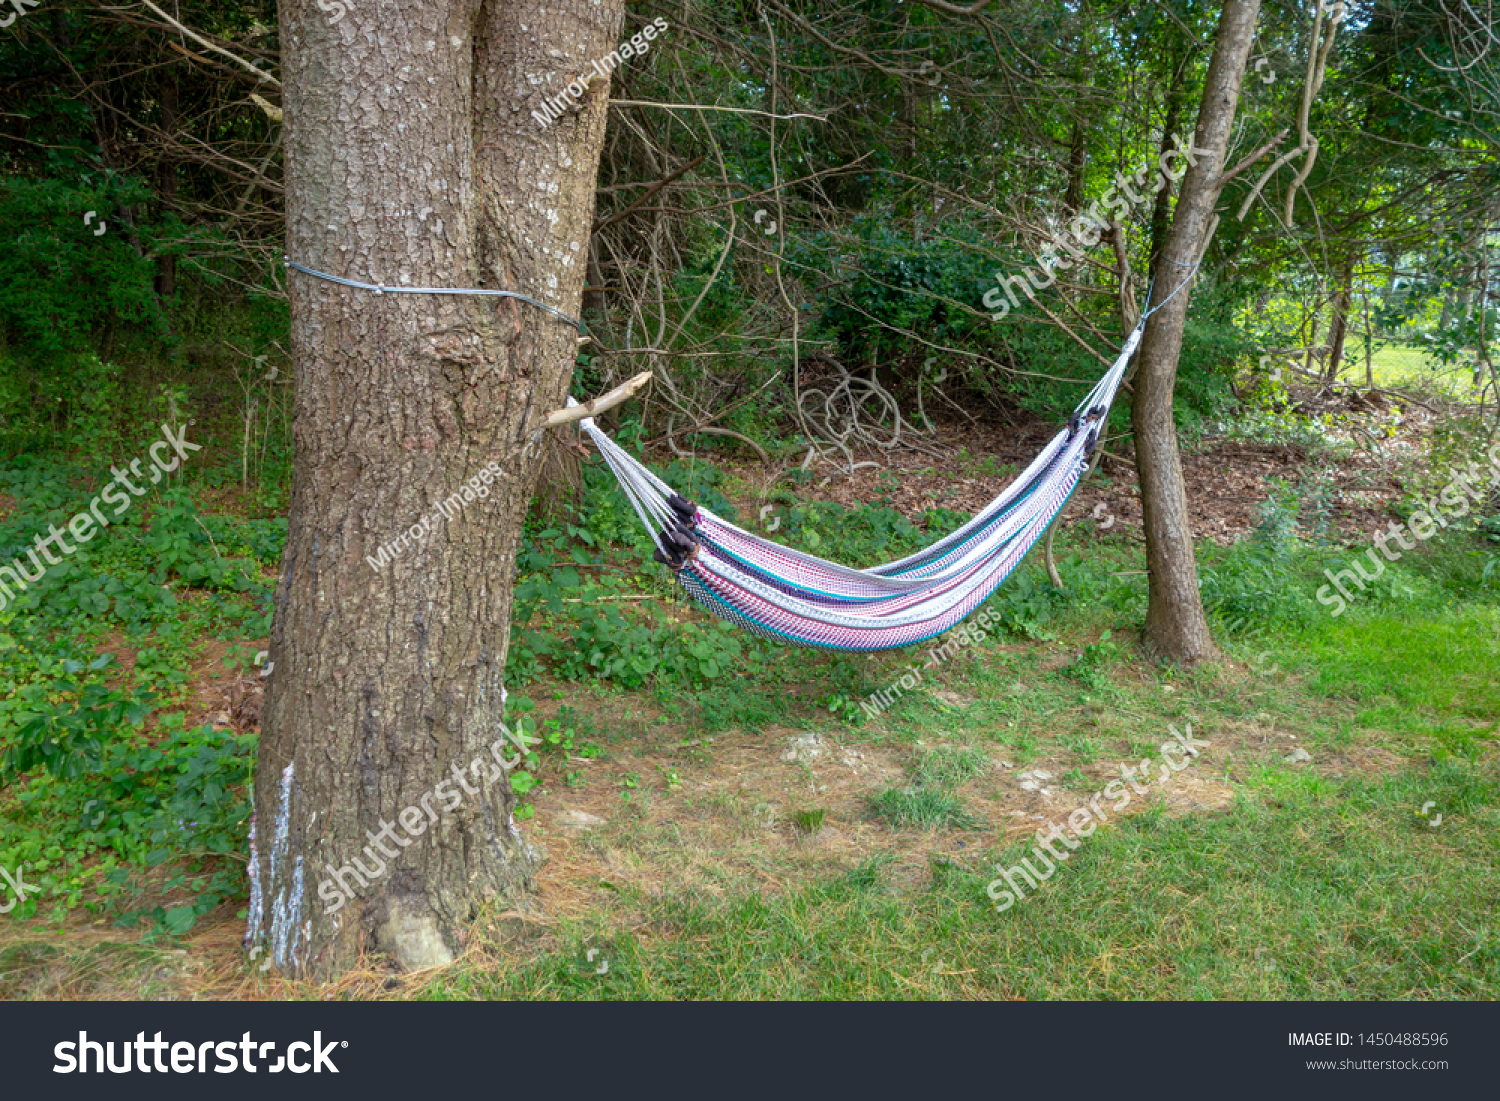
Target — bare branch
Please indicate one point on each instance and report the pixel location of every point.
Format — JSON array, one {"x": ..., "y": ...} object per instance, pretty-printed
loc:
[
  {"x": 206, "y": 44},
  {"x": 1251, "y": 159},
  {"x": 618, "y": 396},
  {"x": 602, "y": 223},
  {"x": 953, "y": 9},
  {"x": 708, "y": 107}
]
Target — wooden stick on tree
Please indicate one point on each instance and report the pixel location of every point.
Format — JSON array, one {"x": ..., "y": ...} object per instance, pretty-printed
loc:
[{"x": 618, "y": 396}]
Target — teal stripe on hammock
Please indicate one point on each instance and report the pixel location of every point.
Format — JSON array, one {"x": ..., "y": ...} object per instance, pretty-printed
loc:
[
  {"x": 718, "y": 606},
  {"x": 776, "y": 580}
]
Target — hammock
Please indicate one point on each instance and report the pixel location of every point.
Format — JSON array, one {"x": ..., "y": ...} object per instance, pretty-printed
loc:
[{"x": 782, "y": 594}]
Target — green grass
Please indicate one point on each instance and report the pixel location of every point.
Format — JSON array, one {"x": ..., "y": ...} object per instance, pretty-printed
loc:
[
  {"x": 1319, "y": 881},
  {"x": 1432, "y": 675},
  {"x": 948, "y": 766},
  {"x": 925, "y": 808},
  {"x": 1392, "y": 363},
  {"x": 1305, "y": 889},
  {"x": 1406, "y": 365}
]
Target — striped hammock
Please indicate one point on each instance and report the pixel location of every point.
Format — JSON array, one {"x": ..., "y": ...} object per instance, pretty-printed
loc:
[{"x": 795, "y": 598}]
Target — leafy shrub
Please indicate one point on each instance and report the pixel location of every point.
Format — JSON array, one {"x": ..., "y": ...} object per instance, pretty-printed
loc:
[
  {"x": 60, "y": 285},
  {"x": 141, "y": 807},
  {"x": 1091, "y": 667},
  {"x": 1025, "y": 604},
  {"x": 180, "y": 543},
  {"x": 898, "y": 286},
  {"x": 861, "y": 537},
  {"x": 62, "y": 724}
]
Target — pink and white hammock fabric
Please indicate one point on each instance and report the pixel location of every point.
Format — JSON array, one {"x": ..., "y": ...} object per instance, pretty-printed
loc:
[{"x": 795, "y": 598}]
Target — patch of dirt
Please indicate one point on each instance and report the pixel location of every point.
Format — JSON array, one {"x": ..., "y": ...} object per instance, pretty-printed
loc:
[
  {"x": 123, "y": 653},
  {"x": 732, "y": 820},
  {"x": 223, "y": 697},
  {"x": 730, "y": 824},
  {"x": 951, "y": 699}
]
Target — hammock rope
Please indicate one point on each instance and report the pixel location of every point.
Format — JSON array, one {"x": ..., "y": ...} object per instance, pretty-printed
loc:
[{"x": 783, "y": 594}]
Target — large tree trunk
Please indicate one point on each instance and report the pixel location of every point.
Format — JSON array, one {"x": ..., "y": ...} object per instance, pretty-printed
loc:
[
  {"x": 1176, "y": 628},
  {"x": 413, "y": 159}
]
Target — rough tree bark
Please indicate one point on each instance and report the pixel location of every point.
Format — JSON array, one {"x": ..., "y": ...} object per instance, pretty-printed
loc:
[
  {"x": 1176, "y": 628},
  {"x": 413, "y": 159}
]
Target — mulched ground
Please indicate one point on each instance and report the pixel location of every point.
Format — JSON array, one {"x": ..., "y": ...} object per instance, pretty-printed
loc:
[{"x": 1227, "y": 479}]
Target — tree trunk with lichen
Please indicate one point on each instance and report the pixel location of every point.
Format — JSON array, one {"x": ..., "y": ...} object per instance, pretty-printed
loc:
[
  {"x": 1176, "y": 628},
  {"x": 413, "y": 160}
]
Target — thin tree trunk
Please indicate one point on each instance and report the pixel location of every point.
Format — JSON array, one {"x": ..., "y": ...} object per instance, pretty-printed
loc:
[
  {"x": 166, "y": 181},
  {"x": 413, "y": 159},
  {"x": 1369, "y": 336},
  {"x": 1176, "y": 628},
  {"x": 1310, "y": 355},
  {"x": 1340, "y": 322},
  {"x": 911, "y": 100},
  {"x": 1077, "y": 161}
]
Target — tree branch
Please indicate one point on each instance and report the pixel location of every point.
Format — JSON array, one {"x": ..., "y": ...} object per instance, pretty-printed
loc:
[
  {"x": 206, "y": 44},
  {"x": 954, "y": 9},
  {"x": 708, "y": 107},
  {"x": 1251, "y": 159},
  {"x": 604, "y": 223},
  {"x": 618, "y": 396}
]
